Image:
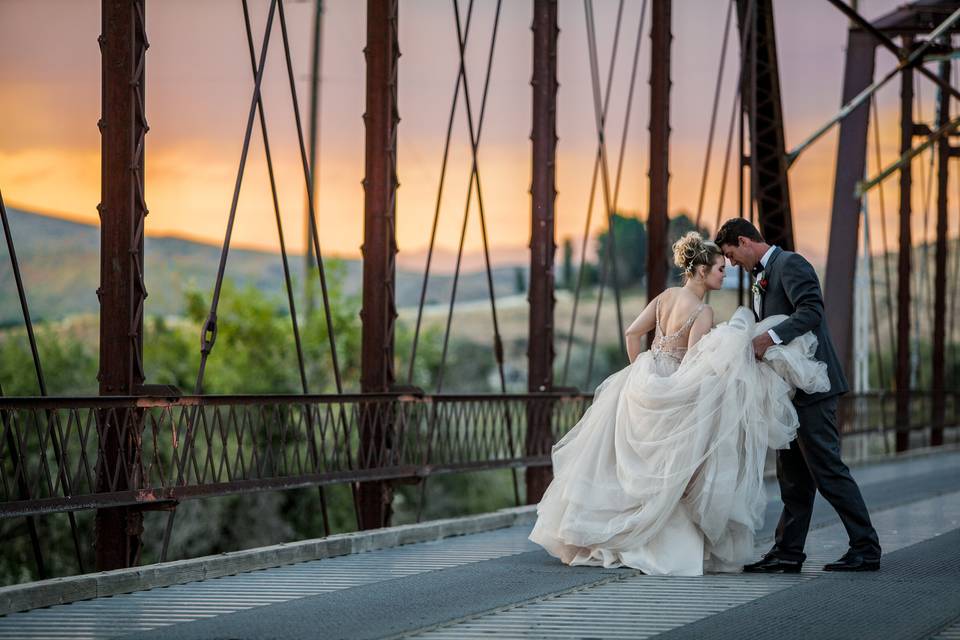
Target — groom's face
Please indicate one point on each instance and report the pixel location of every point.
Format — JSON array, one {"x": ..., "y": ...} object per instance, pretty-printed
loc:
[{"x": 740, "y": 254}]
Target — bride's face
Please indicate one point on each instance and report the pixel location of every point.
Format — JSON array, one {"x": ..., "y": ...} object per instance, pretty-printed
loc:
[{"x": 714, "y": 278}]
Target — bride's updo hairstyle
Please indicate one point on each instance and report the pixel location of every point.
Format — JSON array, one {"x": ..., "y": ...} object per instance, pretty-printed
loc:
[{"x": 691, "y": 251}]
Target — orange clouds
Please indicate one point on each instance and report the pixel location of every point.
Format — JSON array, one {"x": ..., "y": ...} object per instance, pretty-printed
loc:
[{"x": 198, "y": 94}]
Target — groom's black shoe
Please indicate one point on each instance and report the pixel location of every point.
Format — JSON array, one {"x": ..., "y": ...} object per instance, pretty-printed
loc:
[
  {"x": 853, "y": 561},
  {"x": 772, "y": 563}
]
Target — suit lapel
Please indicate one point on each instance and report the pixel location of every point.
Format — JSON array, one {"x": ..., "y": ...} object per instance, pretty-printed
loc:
[{"x": 768, "y": 274}]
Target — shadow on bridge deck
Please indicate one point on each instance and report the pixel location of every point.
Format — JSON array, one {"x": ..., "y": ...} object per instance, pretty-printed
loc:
[{"x": 499, "y": 584}]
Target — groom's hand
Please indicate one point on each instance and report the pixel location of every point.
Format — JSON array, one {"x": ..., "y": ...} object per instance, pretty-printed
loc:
[{"x": 761, "y": 343}]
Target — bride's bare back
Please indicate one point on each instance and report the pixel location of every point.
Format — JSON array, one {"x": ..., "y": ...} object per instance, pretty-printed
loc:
[{"x": 679, "y": 319}]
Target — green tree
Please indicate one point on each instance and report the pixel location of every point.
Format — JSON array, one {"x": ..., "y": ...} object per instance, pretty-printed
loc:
[
  {"x": 630, "y": 244},
  {"x": 519, "y": 280},
  {"x": 69, "y": 365},
  {"x": 568, "y": 272}
]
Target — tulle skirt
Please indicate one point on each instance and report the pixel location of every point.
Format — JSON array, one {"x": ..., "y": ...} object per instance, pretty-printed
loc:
[{"x": 664, "y": 472}]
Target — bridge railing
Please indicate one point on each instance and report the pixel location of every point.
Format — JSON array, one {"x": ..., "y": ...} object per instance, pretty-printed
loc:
[
  {"x": 876, "y": 412},
  {"x": 52, "y": 457}
]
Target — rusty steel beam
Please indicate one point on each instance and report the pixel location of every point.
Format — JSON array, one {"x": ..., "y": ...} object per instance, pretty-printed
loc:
[
  {"x": 540, "y": 350},
  {"x": 764, "y": 109},
  {"x": 916, "y": 18},
  {"x": 938, "y": 407},
  {"x": 379, "y": 250},
  {"x": 659, "y": 173},
  {"x": 903, "y": 263},
  {"x": 122, "y": 210},
  {"x": 845, "y": 217}
]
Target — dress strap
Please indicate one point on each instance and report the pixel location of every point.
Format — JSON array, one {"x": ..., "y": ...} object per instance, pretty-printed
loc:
[
  {"x": 657, "y": 314},
  {"x": 693, "y": 316}
]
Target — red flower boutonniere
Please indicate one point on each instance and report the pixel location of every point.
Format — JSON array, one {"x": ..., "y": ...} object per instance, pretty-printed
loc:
[{"x": 760, "y": 284}]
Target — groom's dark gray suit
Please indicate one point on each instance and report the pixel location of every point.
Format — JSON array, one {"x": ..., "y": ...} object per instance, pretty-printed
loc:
[{"x": 813, "y": 460}]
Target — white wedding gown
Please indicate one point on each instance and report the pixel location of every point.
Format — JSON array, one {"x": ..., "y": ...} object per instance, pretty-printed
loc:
[{"x": 664, "y": 471}]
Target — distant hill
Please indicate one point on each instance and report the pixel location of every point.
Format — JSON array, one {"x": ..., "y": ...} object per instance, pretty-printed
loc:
[{"x": 60, "y": 263}]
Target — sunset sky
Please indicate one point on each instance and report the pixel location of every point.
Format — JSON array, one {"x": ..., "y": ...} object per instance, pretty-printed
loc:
[{"x": 198, "y": 94}]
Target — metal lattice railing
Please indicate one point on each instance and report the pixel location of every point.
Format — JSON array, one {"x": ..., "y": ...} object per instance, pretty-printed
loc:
[
  {"x": 199, "y": 446},
  {"x": 875, "y": 411},
  {"x": 173, "y": 449}
]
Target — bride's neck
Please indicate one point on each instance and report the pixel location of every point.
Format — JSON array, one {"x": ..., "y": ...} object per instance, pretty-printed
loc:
[{"x": 696, "y": 287}]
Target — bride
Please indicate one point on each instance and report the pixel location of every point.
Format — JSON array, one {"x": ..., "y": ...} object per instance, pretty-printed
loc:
[{"x": 664, "y": 472}]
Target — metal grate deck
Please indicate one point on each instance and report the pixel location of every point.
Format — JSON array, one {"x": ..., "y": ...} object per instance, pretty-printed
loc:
[
  {"x": 143, "y": 610},
  {"x": 642, "y": 606}
]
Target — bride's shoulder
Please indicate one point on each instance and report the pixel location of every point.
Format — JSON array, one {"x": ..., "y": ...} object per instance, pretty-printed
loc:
[
  {"x": 683, "y": 298},
  {"x": 706, "y": 317}
]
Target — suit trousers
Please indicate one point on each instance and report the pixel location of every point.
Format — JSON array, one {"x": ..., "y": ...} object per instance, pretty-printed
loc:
[{"x": 811, "y": 464}]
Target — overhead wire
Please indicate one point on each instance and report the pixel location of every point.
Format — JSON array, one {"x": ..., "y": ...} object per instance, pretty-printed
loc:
[
  {"x": 436, "y": 210},
  {"x": 309, "y": 182},
  {"x": 475, "y": 136},
  {"x": 475, "y": 179},
  {"x": 609, "y": 257},
  {"x": 209, "y": 331},
  {"x": 304, "y": 386},
  {"x": 921, "y": 254},
  {"x": 874, "y": 311},
  {"x": 13, "y": 442},
  {"x": 713, "y": 115},
  {"x": 593, "y": 184},
  {"x": 888, "y": 275}
]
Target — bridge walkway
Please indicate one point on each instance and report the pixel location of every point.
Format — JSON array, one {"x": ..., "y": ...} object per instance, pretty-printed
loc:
[{"x": 497, "y": 583}]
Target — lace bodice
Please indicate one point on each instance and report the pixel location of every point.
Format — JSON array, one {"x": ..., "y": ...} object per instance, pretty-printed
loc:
[{"x": 673, "y": 345}]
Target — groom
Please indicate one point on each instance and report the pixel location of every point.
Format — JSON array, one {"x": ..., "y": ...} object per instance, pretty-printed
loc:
[{"x": 785, "y": 283}]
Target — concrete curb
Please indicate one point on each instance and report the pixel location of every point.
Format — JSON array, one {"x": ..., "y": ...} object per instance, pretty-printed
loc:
[{"x": 45, "y": 593}]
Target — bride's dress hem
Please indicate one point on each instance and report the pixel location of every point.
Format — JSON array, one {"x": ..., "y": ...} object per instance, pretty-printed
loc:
[{"x": 664, "y": 471}]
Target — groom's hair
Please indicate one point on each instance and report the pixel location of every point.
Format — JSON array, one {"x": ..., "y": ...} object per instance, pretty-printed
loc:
[{"x": 733, "y": 228}]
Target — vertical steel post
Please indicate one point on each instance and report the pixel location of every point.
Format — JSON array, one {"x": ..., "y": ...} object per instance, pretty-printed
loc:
[
  {"x": 903, "y": 262},
  {"x": 543, "y": 193},
  {"x": 379, "y": 253},
  {"x": 845, "y": 217},
  {"x": 940, "y": 278},
  {"x": 659, "y": 174},
  {"x": 122, "y": 209}
]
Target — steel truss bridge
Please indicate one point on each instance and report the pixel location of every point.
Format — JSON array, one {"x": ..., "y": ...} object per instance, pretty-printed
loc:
[{"x": 139, "y": 446}]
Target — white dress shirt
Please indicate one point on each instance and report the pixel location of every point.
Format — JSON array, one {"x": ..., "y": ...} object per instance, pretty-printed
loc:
[{"x": 757, "y": 299}]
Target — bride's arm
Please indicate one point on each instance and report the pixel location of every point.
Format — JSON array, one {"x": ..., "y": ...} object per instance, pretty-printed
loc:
[
  {"x": 701, "y": 326},
  {"x": 644, "y": 324}
]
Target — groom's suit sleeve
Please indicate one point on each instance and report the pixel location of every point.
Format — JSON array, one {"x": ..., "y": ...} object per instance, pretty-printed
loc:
[{"x": 802, "y": 287}]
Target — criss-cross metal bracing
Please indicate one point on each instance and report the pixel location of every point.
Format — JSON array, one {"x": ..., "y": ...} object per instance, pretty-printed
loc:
[
  {"x": 140, "y": 446},
  {"x": 925, "y": 30}
]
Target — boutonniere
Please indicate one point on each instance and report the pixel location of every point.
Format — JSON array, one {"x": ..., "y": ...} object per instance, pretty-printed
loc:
[{"x": 759, "y": 284}]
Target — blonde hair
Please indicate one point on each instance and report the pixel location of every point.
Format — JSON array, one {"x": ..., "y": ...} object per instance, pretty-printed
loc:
[{"x": 692, "y": 250}]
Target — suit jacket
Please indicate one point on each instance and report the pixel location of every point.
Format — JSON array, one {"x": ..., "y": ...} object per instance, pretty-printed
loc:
[{"x": 793, "y": 289}]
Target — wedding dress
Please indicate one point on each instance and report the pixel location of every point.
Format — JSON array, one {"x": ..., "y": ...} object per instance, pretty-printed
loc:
[{"x": 664, "y": 471}]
